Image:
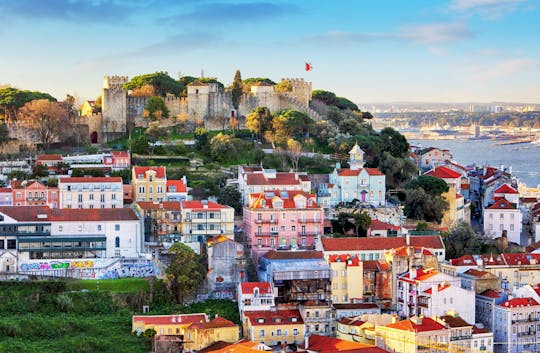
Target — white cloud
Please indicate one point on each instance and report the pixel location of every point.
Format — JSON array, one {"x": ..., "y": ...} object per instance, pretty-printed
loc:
[
  {"x": 491, "y": 9},
  {"x": 505, "y": 69},
  {"x": 436, "y": 33}
]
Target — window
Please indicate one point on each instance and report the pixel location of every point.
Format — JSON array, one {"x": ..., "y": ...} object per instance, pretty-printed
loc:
[
  {"x": 272, "y": 242},
  {"x": 335, "y": 286},
  {"x": 501, "y": 216},
  {"x": 79, "y": 198},
  {"x": 2, "y": 246},
  {"x": 501, "y": 226},
  {"x": 344, "y": 286},
  {"x": 490, "y": 216},
  {"x": 261, "y": 333},
  {"x": 60, "y": 228},
  {"x": 113, "y": 197},
  {"x": 283, "y": 216},
  {"x": 259, "y": 230},
  {"x": 99, "y": 227},
  {"x": 293, "y": 228},
  {"x": 102, "y": 198},
  {"x": 141, "y": 189},
  {"x": 259, "y": 216},
  {"x": 283, "y": 229},
  {"x": 117, "y": 227},
  {"x": 12, "y": 244},
  {"x": 259, "y": 241},
  {"x": 278, "y": 332},
  {"x": 345, "y": 298},
  {"x": 117, "y": 242}
]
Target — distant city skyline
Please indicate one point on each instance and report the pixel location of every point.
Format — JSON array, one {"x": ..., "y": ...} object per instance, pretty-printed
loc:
[{"x": 368, "y": 51}]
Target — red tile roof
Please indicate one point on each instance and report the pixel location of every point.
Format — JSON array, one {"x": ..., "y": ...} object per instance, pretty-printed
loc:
[
  {"x": 373, "y": 171},
  {"x": 427, "y": 324},
  {"x": 120, "y": 154},
  {"x": 287, "y": 196},
  {"x": 411, "y": 250},
  {"x": 218, "y": 322},
  {"x": 355, "y": 172},
  {"x": 358, "y": 306},
  {"x": 351, "y": 321},
  {"x": 476, "y": 330},
  {"x": 505, "y": 189},
  {"x": 291, "y": 255},
  {"x": 166, "y": 205},
  {"x": 421, "y": 275},
  {"x": 358, "y": 244},
  {"x": 378, "y": 225},
  {"x": 443, "y": 173},
  {"x": 169, "y": 319},
  {"x": 455, "y": 321},
  {"x": 160, "y": 171},
  {"x": 491, "y": 293},
  {"x": 280, "y": 317},
  {"x": 476, "y": 273},
  {"x": 321, "y": 344},
  {"x": 90, "y": 180},
  {"x": 440, "y": 288},
  {"x": 249, "y": 287},
  {"x": 281, "y": 178},
  {"x": 502, "y": 204},
  {"x": 354, "y": 261},
  {"x": 179, "y": 184},
  {"x": 199, "y": 205},
  {"x": 6, "y": 190},
  {"x": 49, "y": 157},
  {"x": 46, "y": 214},
  {"x": 519, "y": 302}
]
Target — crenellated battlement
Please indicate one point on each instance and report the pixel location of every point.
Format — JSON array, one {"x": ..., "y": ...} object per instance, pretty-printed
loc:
[{"x": 113, "y": 81}]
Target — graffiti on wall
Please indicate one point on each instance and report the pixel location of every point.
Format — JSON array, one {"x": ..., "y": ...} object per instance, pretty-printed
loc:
[{"x": 138, "y": 269}]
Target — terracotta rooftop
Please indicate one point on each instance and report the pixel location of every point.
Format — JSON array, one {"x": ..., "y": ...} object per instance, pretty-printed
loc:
[
  {"x": 378, "y": 225},
  {"x": 443, "y": 173},
  {"x": 178, "y": 184},
  {"x": 345, "y": 172},
  {"x": 440, "y": 288},
  {"x": 49, "y": 157},
  {"x": 267, "y": 199},
  {"x": 351, "y": 321},
  {"x": 491, "y": 293},
  {"x": 519, "y": 302},
  {"x": 46, "y": 214},
  {"x": 217, "y": 322},
  {"x": 358, "y": 244},
  {"x": 120, "y": 154},
  {"x": 278, "y": 317},
  {"x": 249, "y": 287},
  {"x": 160, "y": 171},
  {"x": 502, "y": 204},
  {"x": 476, "y": 273},
  {"x": 165, "y": 205},
  {"x": 354, "y": 261},
  {"x": 325, "y": 344},
  {"x": 426, "y": 324},
  {"x": 281, "y": 178},
  {"x": 454, "y": 321},
  {"x": 90, "y": 180},
  {"x": 200, "y": 205},
  {"x": 421, "y": 275},
  {"x": 505, "y": 189}
]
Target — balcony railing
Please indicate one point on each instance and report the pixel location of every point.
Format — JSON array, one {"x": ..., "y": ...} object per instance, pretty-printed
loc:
[
  {"x": 308, "y": 220},
  {"x": 460, "y": 338},
  {"x": 262, "y": 221}
]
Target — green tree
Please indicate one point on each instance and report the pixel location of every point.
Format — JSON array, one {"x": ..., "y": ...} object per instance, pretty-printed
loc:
[
  {"x": 140, "y": 145},
  {"x": 361, "y": 221},
  {"x": 431, "y": 185},
  {"x": 161, "y": 81},
  {"x": 259, "y": 121},
  {"x": 236, "y": 89},
  {"x": 230, "y": 196},
  {"x": 420, "y": 205},
  {"x": 12, "y": 99},
  {"x": 398, "y": 171},
  {"x": 290, "y": 124},
  {"x": 222, "y": 148},
  {"x": 185, "y": 273},
  {"x": 202, "y": 142},
  {"x": 328, "y": 98},
  {"x": 283, "y": 87},
  {"x": 156, "y": 109},
  {"x": 295, "y": 152},
  {"x": 461, "y": 240},
  {"x": 39, "y": 171},
  {"x": 154, "y": 133},
  {"x": 394, "y": 142}
]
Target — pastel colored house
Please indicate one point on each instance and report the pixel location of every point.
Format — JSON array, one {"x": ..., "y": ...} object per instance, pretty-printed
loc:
[
  {"x": 6, "y": 196},
  {"x": 149, "y": 183},
  {"x": 443, "y": 298},
  {"x": 162, "y": 220},
  {"x": 282, "y": 219},
  {"x": 432, "y": 157},
  {"x": 274, "y": 328},
  {"x": 366, "y": 185},
  {"x": 255, "y": 296},
  {"x": 199, "y": 335},
  {"x": 91, "y": 192},
  {"x": 516, "y": 327},
  {"x": 33, "y": 193},
  {"x": 347, "y": 279},
  {"x": 176, "y": 190},
  {"x": 503, "y": 216},
  {"x": 165, "y": 324},
  {"x": 203, "y": 218}
]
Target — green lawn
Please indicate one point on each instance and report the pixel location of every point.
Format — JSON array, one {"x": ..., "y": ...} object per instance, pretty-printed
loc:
[{"x": 123, "y": 285}]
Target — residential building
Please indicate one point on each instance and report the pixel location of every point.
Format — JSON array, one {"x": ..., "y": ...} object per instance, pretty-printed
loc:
[
  {"x": 432, "y": 157},
  {"x": 355, "y": 309},
  {"x": 466, "y": 337},
  {"x": 347, "y": 275},
  {"x": 412, "y": 285},
  {"x": 91, "y": 192},
  {"x": 443, "y": 298},
  {"x": 378, "y": 281},
  {"x": 485, "y": 306},
  {"x": 319, "y": 317},
  {"x": 176, "y": 190},
  {"x": 274, "y": 327},
  {"x": 365, "y": 185},
  {"x": 118, "y": 160},
  {"x": 282, "y": 220},
  {"x": 503, "y": 216},
  {"x": 507, "y": 192},
  {"x": 515, "y": 326},
  {"x": 33, "y": 193},
  {"x": 50, "y": 161},
  {"x": 226, "y": 264},
  {"x": 162, "y": 221},
  {"x": 383, "y": 229},
  {"x": 458, "y": 207},
  {"x": 478, "y": 281},
  {"x": 254, "y": 180},
  {"x": 6, "y": 196},
  {"x": 165, "y": 324},
  {"x": 255, "y": 296},
  {"x": 414, "y": 335},
  {"x": 199, "y": 335},
  {"x": 362, "y": 328},
  {"x": 202, "y": 219},
  {"x": 70, "y": 242},
  {"x": 149, "y": 183},
  {"x": 296, "y": 275},
  {"x": 324, "y": 344}
]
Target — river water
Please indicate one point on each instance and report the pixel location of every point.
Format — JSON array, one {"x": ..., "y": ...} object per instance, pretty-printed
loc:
[{"x": 524, "y": 158}]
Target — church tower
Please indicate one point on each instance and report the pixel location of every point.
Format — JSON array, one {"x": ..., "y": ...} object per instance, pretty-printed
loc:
[{"x": 356, "y": 157}]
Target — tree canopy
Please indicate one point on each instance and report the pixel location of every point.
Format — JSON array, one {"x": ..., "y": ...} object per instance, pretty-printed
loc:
[
  {"x": 461, "y": 240},
  {"x": 156, "y": 109},
  {"x": 48, "y": 119},
  {"x": 431, "y": 185},
  {"x": 163, "y": 83},
  {"x": 12, "y": 99},
  {"x": 330, "y": 98},
  {"x": 236, "y": 89},
  {"x": 422, "y": 206},
  {"x": 185, "y": 273},
  {"x": 259, "y": 121}
]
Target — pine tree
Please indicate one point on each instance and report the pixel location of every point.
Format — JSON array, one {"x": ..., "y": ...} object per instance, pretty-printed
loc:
[{"x": 236, "y": 89}]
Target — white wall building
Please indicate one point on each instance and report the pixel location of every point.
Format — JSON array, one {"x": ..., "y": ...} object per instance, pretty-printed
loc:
[
  {"x": 91, "y": 192},
  {"x": 503, "y": 216},
  {"x": 443, "y": 298}
]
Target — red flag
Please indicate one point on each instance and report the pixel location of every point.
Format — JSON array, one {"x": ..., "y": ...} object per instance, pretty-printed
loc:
[{"x": 309, "y": 67}]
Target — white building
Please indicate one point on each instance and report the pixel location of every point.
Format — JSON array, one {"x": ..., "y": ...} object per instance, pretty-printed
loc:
[
  {"x": 443, "y": 298},
  {"x": 255, "y": 296},
  {"x": 515, "y": 328},
  {"x": 503, "y": 216},
  {"x": 91, "y": 192}
]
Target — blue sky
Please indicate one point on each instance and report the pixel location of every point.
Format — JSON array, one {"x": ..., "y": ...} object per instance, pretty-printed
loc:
[{"x": 365, "y": 50}]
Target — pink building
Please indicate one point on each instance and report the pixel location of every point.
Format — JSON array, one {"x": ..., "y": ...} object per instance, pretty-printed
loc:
[
  {"x": 282, "y": 219},
  {"x": 118, "y": 160},
  {"x": 33, "y": 193},
  {"x": 6, "y": 197}
]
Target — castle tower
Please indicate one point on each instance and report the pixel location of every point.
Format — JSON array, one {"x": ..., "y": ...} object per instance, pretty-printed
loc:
[
  {"x": 301, "y": 90},
  {"x": 198, "y": 101},
  {"x": 114, "y": 107},
  {"x": 356, "y": 157}
]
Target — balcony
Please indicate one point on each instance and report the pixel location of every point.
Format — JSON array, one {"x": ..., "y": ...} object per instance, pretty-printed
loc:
[
  {"x": 460, "y": 338},
  {"x": 266, "y": 221},
  {"x": 308, "y": 220},
  {"x": 266, "y": 234},
  {"x": 527, "y": 333}
]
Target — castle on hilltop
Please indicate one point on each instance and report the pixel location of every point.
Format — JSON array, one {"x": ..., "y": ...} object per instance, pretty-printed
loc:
[{"x": 206, "y": 104}]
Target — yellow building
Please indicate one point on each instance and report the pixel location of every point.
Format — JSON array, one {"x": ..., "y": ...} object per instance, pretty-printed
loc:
[
  {"x": 274, "y": 327},
  {"x": 347, "y": 278},
  {"x": 202, "y": 334},
  {"x": 149, "y": 183},
  {"x": 87, "y": 108},
  {"x": 413, "y": 335},
  {"x": 165, "y": 324}
]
